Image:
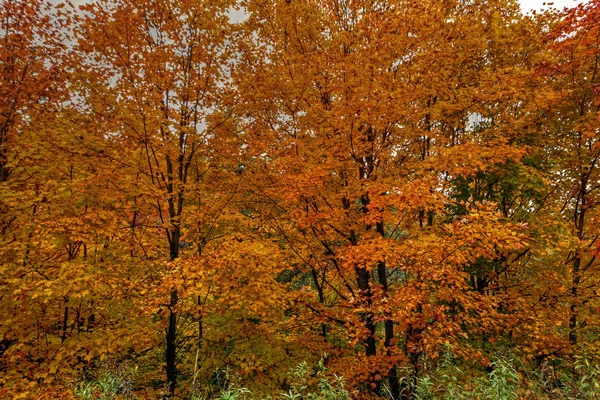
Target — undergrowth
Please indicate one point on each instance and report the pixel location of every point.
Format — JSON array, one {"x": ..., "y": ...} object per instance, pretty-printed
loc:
[{"x": 505, "y": 379}]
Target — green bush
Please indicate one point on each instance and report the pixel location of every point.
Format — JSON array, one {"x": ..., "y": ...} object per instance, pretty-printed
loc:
[
  {"x": 107, "y": 386},
  {"x": 328, "y": 388}
]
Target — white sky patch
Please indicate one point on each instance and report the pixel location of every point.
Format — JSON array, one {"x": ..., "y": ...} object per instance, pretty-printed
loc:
[
  {"x": 237, "y": 14},
  {"x": 526, "y": 5},
  {"x": 75, "y": 2},
  {"x": 538, "y": 5}
]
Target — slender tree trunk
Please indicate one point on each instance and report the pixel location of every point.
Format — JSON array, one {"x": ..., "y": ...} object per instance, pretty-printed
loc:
[
  {"x": 407, "y": 386},
  {"x": 573, "y": 308},
  {"x": 171, "y": 351},
  {"x": 63, "y": 336},
  {"x": 321, "y": 295},
  {"x": 174, "y": 238},
  {"x": 388, "y": 323},
  {"x": 364, "y": 287},
  {"x": 4, "y": 170},
  {"x": 362, "y": 275},
  {"x": 171, "y": 337},
  {"x": 579, "y": 220}
]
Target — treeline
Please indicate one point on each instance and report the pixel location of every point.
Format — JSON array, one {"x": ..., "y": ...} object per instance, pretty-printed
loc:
[{"x": 203, "y": 192}]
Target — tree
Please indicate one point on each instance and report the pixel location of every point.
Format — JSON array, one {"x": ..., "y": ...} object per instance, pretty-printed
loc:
[
  {"x": 154, "y": 72},
  {"x": 32, "y": 88},
  {"x": 574, "y": 148},
  {"x": 155, "y": 79},
  {"x": 395, "y": 184},
  {"x": 358, "y": 126}
]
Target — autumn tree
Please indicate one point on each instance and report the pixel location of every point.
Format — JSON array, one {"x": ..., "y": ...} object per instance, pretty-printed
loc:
[
  {"x": 155, "y": 79},
  {"x": 359, "y": 125},
  {"x": 56, "y": 232},
  {"x": 574, "y": 148},
  {"x": 386, "y": 182},
  {"x": 32, "y": 87},
  {"x": 155, "y": 69}
]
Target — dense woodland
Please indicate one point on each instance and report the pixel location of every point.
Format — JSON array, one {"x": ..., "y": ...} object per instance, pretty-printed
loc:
[{"x": 302, "y": 198}]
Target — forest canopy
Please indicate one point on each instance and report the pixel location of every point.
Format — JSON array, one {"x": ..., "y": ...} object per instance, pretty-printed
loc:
[{"x": 323, "y": 199}]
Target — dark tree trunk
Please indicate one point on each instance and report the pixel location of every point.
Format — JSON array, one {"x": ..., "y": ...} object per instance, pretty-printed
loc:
[
  {"x": 388, "y": 324},
  {"x": 171, "y": 337},
  {"x": 171, "y": 351}
]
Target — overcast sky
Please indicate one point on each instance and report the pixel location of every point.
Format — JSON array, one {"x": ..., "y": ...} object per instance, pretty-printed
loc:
[{"x": 526, "y": 5}]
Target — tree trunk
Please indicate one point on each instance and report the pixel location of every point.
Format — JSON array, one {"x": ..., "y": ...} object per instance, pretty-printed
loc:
[
  {"x": 388, "y": 323},
  {"x": 171, "y": 351},
  {"x": 171, "y": 337}
]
